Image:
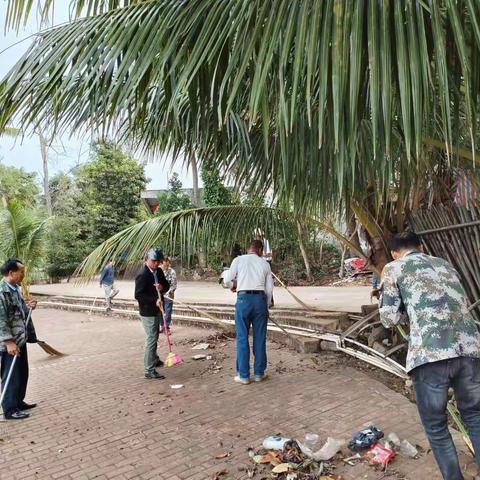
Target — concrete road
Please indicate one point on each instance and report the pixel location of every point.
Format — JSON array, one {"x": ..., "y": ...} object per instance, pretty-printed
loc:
[{"x": 342, "y": 298}]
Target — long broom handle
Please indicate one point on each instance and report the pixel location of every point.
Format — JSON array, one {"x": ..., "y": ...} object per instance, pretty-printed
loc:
[
  {"x": 163, "y": 319},
  {"x": 9, "y": 376},
  {"x": 12, "y": 366}
]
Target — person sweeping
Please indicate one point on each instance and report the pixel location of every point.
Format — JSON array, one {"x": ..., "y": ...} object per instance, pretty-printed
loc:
[
  {"x": 16, "y": 330},
  {"x": 150, "y": 284}
]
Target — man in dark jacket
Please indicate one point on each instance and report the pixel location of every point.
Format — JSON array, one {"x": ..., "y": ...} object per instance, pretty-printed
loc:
[
  {"x": 16, "y": 329},
  {"x": 149, "y": 285}
]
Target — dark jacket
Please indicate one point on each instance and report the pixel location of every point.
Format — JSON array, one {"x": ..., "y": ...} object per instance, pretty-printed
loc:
[
  {"x": 146, "y": 293},
  {"x": 13, "y": 317}
]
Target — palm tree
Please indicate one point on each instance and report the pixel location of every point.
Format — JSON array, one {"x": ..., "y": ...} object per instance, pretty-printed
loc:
[
  {"x": 337, "y": 105},
  {"x": 206, "y": 229},
  {"x": 23, "y": 237}
]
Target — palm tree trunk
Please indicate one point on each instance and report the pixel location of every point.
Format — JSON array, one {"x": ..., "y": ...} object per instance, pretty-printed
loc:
[
  {"x": 303, "y": 250},
  {"x": 196, "y": 189},
  {"x": 46, "y": 180},
  {"x": 202, "y": 260}
]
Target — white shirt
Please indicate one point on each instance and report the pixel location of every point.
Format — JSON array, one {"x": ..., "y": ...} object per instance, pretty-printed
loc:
[{"x": 252, "y": 273}]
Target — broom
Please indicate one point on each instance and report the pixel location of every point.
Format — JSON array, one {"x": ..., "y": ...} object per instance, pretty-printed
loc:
[
  {"x": 172, "y": 358},
  {"x": 44, "y": 345}
]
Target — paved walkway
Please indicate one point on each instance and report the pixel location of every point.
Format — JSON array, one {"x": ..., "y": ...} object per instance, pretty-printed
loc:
[
  {"x": 98, "y": 418},
  {"x": 347, "y": 299}
]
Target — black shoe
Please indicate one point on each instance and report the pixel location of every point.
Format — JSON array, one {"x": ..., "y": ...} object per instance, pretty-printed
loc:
[
  {"x": 154, "y": 375},
  {"x": 18, "y": 415},
  {"x": 159, "y": 363},
  {"x": 27, "y": 406}
]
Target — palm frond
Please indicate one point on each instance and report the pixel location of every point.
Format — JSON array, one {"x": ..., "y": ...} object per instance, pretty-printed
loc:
[
  {"x": 23, "y": 236},
  {"x": 197, "y": 229},
  {"x": 284, "y": 88}
]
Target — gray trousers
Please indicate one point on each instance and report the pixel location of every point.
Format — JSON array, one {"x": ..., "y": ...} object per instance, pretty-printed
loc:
[
  {"x": 110, "y": 292},
  {"x": 151, "y": 325}
]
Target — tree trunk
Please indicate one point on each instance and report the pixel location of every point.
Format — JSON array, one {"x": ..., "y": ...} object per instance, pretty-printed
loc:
[
  {"x": 46, "y": 180},
  {"x": 202, "y": 260},
  {"x": 303, "y": 250},
  {"x": 196, "y": 189}
]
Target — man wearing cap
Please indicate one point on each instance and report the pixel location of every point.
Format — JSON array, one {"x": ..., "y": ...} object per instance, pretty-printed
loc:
[
  {"x": 149, "y": 285},
  {"x": 251, "y": 278}
]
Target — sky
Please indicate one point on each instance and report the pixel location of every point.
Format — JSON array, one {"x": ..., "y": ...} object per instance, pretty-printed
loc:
[{"x": 67, "y": 151}]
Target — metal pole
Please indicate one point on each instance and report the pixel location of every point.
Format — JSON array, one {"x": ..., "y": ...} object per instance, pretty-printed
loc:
[{"x": 9, "y": 376}]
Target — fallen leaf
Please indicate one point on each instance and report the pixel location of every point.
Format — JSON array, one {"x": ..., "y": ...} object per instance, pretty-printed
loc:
[
  {"x": 257, "y": 458},
  {"x": 282, "y": 468},
  {"x": 223, "y": 455},
  {"x": 271, "y": 457}
]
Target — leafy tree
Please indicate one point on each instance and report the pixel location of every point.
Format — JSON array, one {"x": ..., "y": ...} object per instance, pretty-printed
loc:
[
  {"x": 110, "y": 187},
  {"x": 18, "y": 184},
  {"x": 173, "y": 200},
  {"x": 67, "y": 246},
  {"x": 214, "y": 191},
  {"x": 64, "y": 193},
  {"x": 66, "y": 249}
]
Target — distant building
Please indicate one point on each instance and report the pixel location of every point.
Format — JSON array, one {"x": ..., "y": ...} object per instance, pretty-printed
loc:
[{"x": 150, "y": 197}]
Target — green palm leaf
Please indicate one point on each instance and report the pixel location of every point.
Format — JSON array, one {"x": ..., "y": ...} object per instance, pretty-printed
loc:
[
  {"x": 23, "y": 237},
  {"x": 200, "y": 228},
  {"x": 278, "y": 87}
]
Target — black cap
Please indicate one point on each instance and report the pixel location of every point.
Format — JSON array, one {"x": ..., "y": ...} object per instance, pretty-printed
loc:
[{"x": 155, "y": 254}]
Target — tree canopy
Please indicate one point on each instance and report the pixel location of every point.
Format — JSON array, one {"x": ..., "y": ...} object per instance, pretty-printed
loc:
[{"x": 319, "y": 99}]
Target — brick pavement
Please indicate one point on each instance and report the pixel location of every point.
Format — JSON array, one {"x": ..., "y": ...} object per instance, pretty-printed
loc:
[{"x": 99, "y": 418}]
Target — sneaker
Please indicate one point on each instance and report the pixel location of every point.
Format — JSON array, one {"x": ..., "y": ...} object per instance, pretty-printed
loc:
[
  {"x": 243, "y": 381},
  {"x": 108, "y": 309},
  {"x": 260, "y": 378}
]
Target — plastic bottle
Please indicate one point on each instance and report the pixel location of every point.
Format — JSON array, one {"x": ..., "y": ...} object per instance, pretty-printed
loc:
[
  {"x": 407, "y": 449},
  {"x": 275, "y": 443},
  {"x": 311, "y": 440},
  {"x": 393, "y": 437}
]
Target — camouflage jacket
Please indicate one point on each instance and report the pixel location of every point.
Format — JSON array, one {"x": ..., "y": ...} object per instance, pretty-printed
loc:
[
  {"x": 171, "y": 277},
  {"x": 13, "y": 317},
  {"x": 427, "y": 291}
]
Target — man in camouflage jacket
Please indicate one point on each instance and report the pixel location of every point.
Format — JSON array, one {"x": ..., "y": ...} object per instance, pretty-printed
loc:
[
  {"x": 444, "y": 343},
  {"x": 16, "y": 329}
]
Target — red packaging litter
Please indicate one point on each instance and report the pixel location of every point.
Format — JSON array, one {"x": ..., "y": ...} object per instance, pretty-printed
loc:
[{"x": 379, "y": 454}]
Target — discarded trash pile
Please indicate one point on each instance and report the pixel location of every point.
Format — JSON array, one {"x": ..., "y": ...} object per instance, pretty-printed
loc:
[{"x": 289, "y": 459}]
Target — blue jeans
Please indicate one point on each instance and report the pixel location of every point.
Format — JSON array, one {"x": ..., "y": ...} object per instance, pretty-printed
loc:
[
  {"x": 17, "y": 388},
  {"x": 431, "y": 383},
  {"x": 251, "y": 310},
  {"x": 168, "y": 307}
]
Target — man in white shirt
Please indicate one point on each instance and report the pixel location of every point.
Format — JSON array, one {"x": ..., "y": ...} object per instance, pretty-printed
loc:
[{"x": 252, "y": 280}]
